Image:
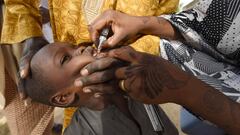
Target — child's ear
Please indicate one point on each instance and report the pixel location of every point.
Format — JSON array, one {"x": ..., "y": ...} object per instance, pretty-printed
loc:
[{"x": 63, "y": 99}]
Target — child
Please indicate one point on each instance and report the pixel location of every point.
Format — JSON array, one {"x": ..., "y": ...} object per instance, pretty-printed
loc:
[{"x": 53, "y": 71}]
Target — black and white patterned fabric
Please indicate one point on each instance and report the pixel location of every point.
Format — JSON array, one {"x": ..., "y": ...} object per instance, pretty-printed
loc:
[{"x": 211, "y": 50}]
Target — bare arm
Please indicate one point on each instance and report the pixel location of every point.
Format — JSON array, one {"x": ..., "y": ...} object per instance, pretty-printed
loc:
[
  {"x": 158, "y": 26},
  {"x": 165, "y": 82},
  {"x": 212, "y": 105},
  {"x": 153, "y": 80},
  {"x": 126, "y": 27}
]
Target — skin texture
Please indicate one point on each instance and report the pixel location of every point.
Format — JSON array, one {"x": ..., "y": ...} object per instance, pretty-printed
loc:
[
  {"x": 163, "y": 82},
  {"x": 144, "y": 83},
  {"x": 31, "y": 47},
  {"x": 61, "y": 63},
  {"x": 135, "y": 26}
]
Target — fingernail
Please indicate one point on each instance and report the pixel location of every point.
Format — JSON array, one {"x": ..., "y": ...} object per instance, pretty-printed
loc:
[
  {"x": 78, "y": 83},
  {"x": 95, "y": 54},
  {"x": 25, "y": 103},
  {"x": 97, "y": 95},
  {"x": 87, "y": 90},
  {"x": 22, "y": 73},
  {"x": 21, "y": 96},
  {"x": 109, "y": 41},
  {"x": 84, "y": 72}
]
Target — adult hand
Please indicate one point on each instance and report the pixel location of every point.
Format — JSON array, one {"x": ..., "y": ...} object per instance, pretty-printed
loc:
[
  {"x": 127, "y": 27},
  {"x": 99, "y": 71},
  {"x": 99, "y": 76},
  {"x": 148, "y": 78},
  {"x": 124, "y": 27},
  {"x": 31, "y": 46}
]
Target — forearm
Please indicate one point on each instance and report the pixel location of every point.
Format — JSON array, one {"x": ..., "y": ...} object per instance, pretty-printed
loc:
[
  {"x": 212, "y": 105},
  {"x": 158, "y": 26},
  {"x": 179, "y": 87}
]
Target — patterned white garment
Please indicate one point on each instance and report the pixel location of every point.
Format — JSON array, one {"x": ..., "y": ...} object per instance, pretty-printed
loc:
[{"x": 211, "y": 50}]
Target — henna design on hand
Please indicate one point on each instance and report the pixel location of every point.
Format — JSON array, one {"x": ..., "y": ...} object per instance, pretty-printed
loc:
[{"x": 153, "y": 74}]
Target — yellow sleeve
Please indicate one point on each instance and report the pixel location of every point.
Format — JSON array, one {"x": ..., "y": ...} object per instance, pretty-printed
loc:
[
  {"x": 167, "y": 7},
  {"x": 22, "y": 20}
]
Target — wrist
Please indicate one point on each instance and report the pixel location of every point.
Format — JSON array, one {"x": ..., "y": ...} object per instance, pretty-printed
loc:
[
  {"x": 159, "y": 26},
  {"x": 190, "y": 94},
  {"x": 146, "y": 24}
]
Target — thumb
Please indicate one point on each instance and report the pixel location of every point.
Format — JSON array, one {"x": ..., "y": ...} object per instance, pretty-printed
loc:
[
  {"x": 25, "y": 64},
  {"x": 115, "y": 39},
  {"x": 20, "y": 86}
]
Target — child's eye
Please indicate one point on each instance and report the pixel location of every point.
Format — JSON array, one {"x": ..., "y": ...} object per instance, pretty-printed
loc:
[{"x": 65, "y": 58}]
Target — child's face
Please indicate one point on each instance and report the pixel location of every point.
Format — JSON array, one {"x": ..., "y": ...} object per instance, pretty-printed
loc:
[{"x": 61, "y": 64}]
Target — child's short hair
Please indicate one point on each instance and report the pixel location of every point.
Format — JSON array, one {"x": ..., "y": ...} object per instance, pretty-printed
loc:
[{"x": 37, "y": 87}]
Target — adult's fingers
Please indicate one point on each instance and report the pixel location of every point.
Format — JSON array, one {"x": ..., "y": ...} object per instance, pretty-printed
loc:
[
  {"x": 31, "y": 46},
  {"x": 121, "y": 73},
  {"x": 94, "y": 34},
  {"x": 116, "y": 38},
  {"x": 99, "y": 23},
  {"x": 99, "y": 65},
  {"x": 126, "y": 54},
  {"x": 24, "y": 64},
  {"x": 95, "y": 78},
  {"x": 127, "y": 72},
  {"x": 22, "y": 93}
]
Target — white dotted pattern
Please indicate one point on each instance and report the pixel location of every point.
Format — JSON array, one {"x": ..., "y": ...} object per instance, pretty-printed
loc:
[
  {"x": 203, "y": 5},
  {"x": 213, "y": 24},
  {"x": 231, "y": 40}
]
